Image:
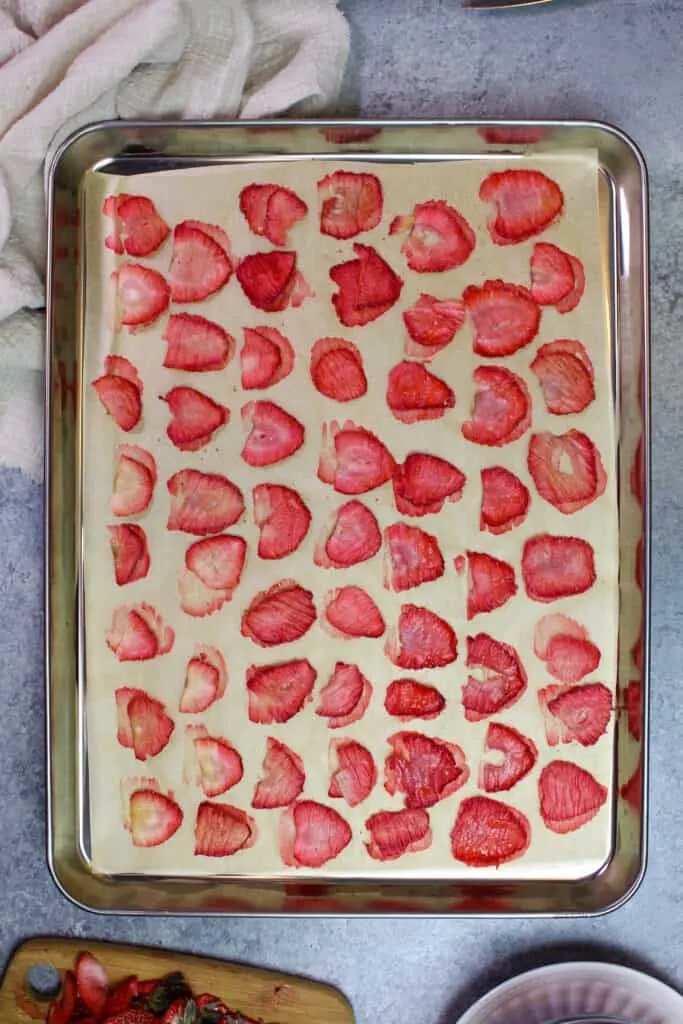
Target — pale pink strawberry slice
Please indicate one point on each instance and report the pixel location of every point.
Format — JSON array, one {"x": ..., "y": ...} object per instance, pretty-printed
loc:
[
  {"x": 142, "y": 294},
  {"x": 337, "y": 370},
  {"x": 555, "y": 567},
  {"x": 415, "y": 394},
  {"x": 431, "y": 325},
  {"x": 351, "y": 536},
  {"x": 353, "y": 459},
  {"x": 129, "y": 551},
  {"x": 195, "y": 418},
  {"x": 137, "y": 633},
  {"x": 153, "y": 817},
  {"x": 123, "y": 696},
  {"x": 350, "y": 612},
  {"x": 217, "y": 561},
  {"x": 575, "y": 713},
  {"x": 490, "y": 583},
  {"x": 367, "y": 285},
  {"x": 633, "y": 702},
  {"x": 222, "y": 830},
  {"x": 407, "y": 699},
  {"x": 139, "y": 229},
  {"x": 526, "y": 203},
  {"x": 411, "y": 557},
  {"x": 267, "y": 357},
  {"x": 273, "y": 434},
  {"x": 488, "y": 833},
  {"x": 519, "y": 757},
  {"x": 632, "y": 790},
  {"x": 505, "y": 317},
  {"x": 312, "y": 834},
  {"x": 353, "y": 772},
  {"x": 271, "y": 281},
  {"x": 119, "y": 390},
  {"x": 196, "y": 598},
  {"x": 501, "y": 409},
  {"x": 203, "y": 503},
  {"x": 201, "y": 263},
  {"x": 350, "y": 203},
  {"x": 500, "y": 680},
  {"x": 567, "y": 469},
  {"x": 345, "y": 697},
  {"x": 271, "y": 211},
  {"x": 552, "y": 275},
  {"x": 439, "y": 238},
  {"x": 212, "y": 762},
  {"x": 424, "y": 482},
  {"x": 278, "y": 692},
  {"x": 504, "y": 500},
  {"x": 143, "y": 724},
  {"x": 282, "y": 518},
  {"x": 569, "y": 797},
  {"x": 571, "y": 301},
  {"x": 393, "y": 833},
  {"x": 92, "y": 983},
  {"x": 206, "y": 680},
  {"x": 283, "y": 777},
  {"x": 421, "y": 640},
  {"x": 280, "y": 615},
  {"x": 565, "y": 647},
  {"x": 135, "y": 476},
  {"x": 565, "y": 373},
  {"x": 195, "y": 344},
  {"x": 423, "y": 769}
]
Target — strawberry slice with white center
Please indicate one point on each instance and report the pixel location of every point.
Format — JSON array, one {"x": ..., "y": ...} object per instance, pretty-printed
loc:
[
  {"x": 414, "y": 394},
  {"x": 505, "y": 316},
  {"x": 393, "y": 833},
  {"x": 421, "y": 640},
  {"x": 367, "y": 285},
  {"x": 345, "y": 698},
  {"x": 119, "y": 390},
  {"x": 142, "y": 294},
  {"x": 501, "y": 409},
  {"x": 206, "y": 680},
  {"x": 273, "y": 434},
  {"x": 92, "y": 983},
  {"x": 565, "y": 373},
  {"x": 152, "y": 817},
  {"x": 282, "y": 518},
  {"x": 578, "y": 714},
  {"x": 217, "y": 561},
  {"x": 411, "y": 557},
  {"x": 353, "y": 460},
  {"x": 312, "y": 834},
  {"x": 555, "y": 567},
  {"x": 490, "y": 583},
  {"x": 526, "y": 203},
  {"x": 439, "y": 238},
  {"x": 500, "y": 680},
  {"x": 552, "y": 274},
  {"x": 151, "y": 727},
  {"x": 351, "y": 536},
  {"x": 222, "y": 830},
  {"x": 407, "y": 699},
  {"x": 271, "y": 281},
  {"x": 565, "y": 647},
  {"x": 571, "y": 301},
  {"x": 519, "y": 755},
  {"x": 203, "y": 503},
  {"x": 488, "y": 833},
  {"x": 138, "y": 633},
  {"x": 271, "y": 211},
  {"x": 350, "y": 613},
  {"x": 353, "y": 772},
  {"x": 129, "y": 550},
  {"x": 283, "y": 777},
  {"x": 211, "y": 762},
  {"x": 139, "y": 228},
  {"x": 337, "y": 370},
  {"x": 196, "y": 345},
  {"x": 135, "y": 476},
  {"x": 504, "y": 500},
  {"x": 267, "y": 357},
  {"x": 195, "y": 418},
  {"x": 350, "y": 203},
  {"x": 423, "y": 769},
  {"x": 280, "y": 615},
  {"x": 569, "y": 796},
  {"x": 278, "y": 692},
  {"x": 431, "y": 325},
  {"x": 424, "y": 482},
  {"x": 201, "y": 263},
  {"x": 567, "y": 470}
]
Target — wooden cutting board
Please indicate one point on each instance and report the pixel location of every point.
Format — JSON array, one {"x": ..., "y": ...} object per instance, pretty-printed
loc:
[{"x": 264, "y": 995}]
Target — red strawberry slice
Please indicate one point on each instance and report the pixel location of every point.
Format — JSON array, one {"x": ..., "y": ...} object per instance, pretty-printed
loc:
[
  {"x": 195, "y": 418},
  {"x": 421, "y": 640},
  {"x": 423, "y": 769},
  {"x": 267, "y": 357},
  {"x": 571, "y": 301},
  {"x": 206, "y": 680},
  {"x": 271, "y": 211},
  {"x": 575, "y": 713},
  {"x": 283, "y": 613},
  {"x": 490, "y": 583},
  {"x": 526, "y": 203},
  {"x": 137, "y": 633},
  {"x": 504, "y": 500},
  {"x": 407, "y": 699},
  {"x": 501, "y": 409},
  {"x": 488, "y": 833},
  {"x": 439, "y": 238},
  {"x": 283, "y": 777},
  {"x": 633, "y": 702},
  {"x": 121, "y": 996},
  {"x": 273, "y": 435},
  {"x": 119, "y": 390},
  {"x": 415, "y": 394},
  {"x": 367, "y": 285},
  {"x": 142, "y": 294},
  {"x": 424, "y": 482},
  {"x": 213, "y": 763},
  {"x": 353, "y": 459},
  {"x": 552, "y": 275},
  {"x": 632, "y": 790},
  {"x": 149, "y": 725},
  {"x": 271, "y": 281},
  {"x": 282, "y": 518},
  {"x": 139, "y": 229},
  {"x": 565, "y": 373},
  {"x": 500, "y": 681},
  {"x": 337, "y": 370},
  {"x": 411, "y": 557},
  {"x": 278, "y": 692},
  {"x": 129, "y": 550},
  {"x": 565, "y": 647},
  {"x": 353, "y": 772},
  {"x": 431, "y": 325},
  {"x": 203, "y": 503},
  {"x": 351, "y": 536},
  {"x": 345, "y": 697},
  {"x": 135, "y": 476},
  {"x": 350, "y": 612},
  {"x": 196, "y": 344},
  {"x": 217, "y": 561},
  {"x": 196, "y": 598},
  {"x": 62, "y": 1009},
  {"x": 350, "y": 203},
  {"x": 393, "y": 833},
  {"x": 505, "y": 317},
  {"x": 554, "y": 567},
  {"x": 519, "y": 757},
  {"x": 567, "y": 469},
  {"x": 569, "y": 797},
  {"x": 153, "y": 817},
  {"x": 312, "y": 834},
  {"x": 201, "y": 263},
  {"x": 222, "y": 830},
  {"x": 92, "y": 983}
]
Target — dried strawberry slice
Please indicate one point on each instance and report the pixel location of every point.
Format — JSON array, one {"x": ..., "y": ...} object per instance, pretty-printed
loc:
[
  {"x": 201, "y": 263},
  {"x": 195, "y": 344},
  {"x": 271, "y": 281},
  {"x": 552, "y": 274},
  {"x": 119, "y": 390},
  {"x": 505, "y": 317},
  {"x": 580, "y": 713},
  {"x": 217, "y": 561},
  {"x": 273, "y": 435},
  {"x": 423, "y": 769},
  {"x": 139, "y": 228},
  {"x": 501, "y": 409},
  {"x": 283, "y": 613},
  {"x": 565, "y": 647},
  {"x": 353, "y": 459},
  {"x": 424, "y": 482},
  {"x": 569, "y": 796},
  {"x": 565, "y": 373},
  {"x": 283, "y": 777},
  {"x": 407, "y": 699},
  {"x": 393, "y": 833},
  {"x": 501, "y": 679},
  {"x": 271, "y": 211},
  {"x": 519, "y": 757},
  {"x": 345, "y": 697},
  {"x": 415, "y": 394},
  {"x": 567, "y": 469},
  {"x": 153, "y": 817},
  {"x": 203, "y": 503},
  {"x": 196, "y": 598},
  {"x": 312, "y": 834},
  {"x": 137, "y": 633},
  {"x": 350, "y": 612},
  {"x": 411, "y": 557},
  {"x": 150, "y": 726},
  {"x": 278, "y": 692},
  {"x": 195, "y": 418},
  {"x": 142, "y": 294},
  {"x": 490, "y": 583},
  {"x": 431, "y": 325},
  {"x": 337, "y": 370},
  {"x": 129, "y": 550},
  {"x": 504, "y": 500},
  {"x": 206, "y": 680},
  {"x": 350, "y": 536},
  {"x": 633, "y": 702},
  {"x": 92, "y": 983},
  {"x": 439, "y": 238},
  {"x": 135, "y": 476},
  {"x": 212, "y": 762},
  {"x": 350, "y": 203},
  {"x": 282, "y": 518},
  {"x": 554, "y": 567},
  {"x": 267, "y": 357},
  {"x": 526, "y": 203},
  {"x": 353, "y": 772},
  {"x": 488, "y": 833},
  {"x": 367, "y": 285},
  {"x": 421, "y": 640},
  {"x": 571, "y": 301},
  {"x": 222, "y": 830}
]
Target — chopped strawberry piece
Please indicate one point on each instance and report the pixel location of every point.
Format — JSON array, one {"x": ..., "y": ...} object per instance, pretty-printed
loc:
[
  {"x": 196, "y": 598},
  {"x": 119, "y": 390},
  {"x": 415, "y": 394},
  {"x": 278, "y": 692},
  {"x": 501, "y": 679},
  {"x": 139, "y": 229},
  {"x": 488, "y": 833},
  {"x": 412, "y": 557},
  {"x": 638, "y": 474},
  {"x": 421, "y": 640},
  {"x": 431, "y": 325},
  {"x": 567, "y": 469},
  {"x": 203, "y": 503},
  {"x": 142, "y": 294},
  {"x": 345, "y": 697},
  {"x": 201, "y": 263},
  {"x": 271, "y": 281},
  {"x": 271, "y": 211},
  {"x": 565, "y": 373},
  {"x": 424, "y": 482},
  {"x": 312, "y": 834},
  {"x": 501, "y": 410},
  {"x": 217, "y": 561},
  {"x": 337, "y": 370},
  {"x": 505, "y": 317},
  {"x": 569, "y": 797},
  {"x": 490, "y": 583},
  {"x": 196, "y": 344},
  {"x": 267, "y": 357},
  {"x": 353, "y": 772},
  {"x": 519, "y": 757},
  {"x": 92, "y": 983},
  {"x": 137, "y": 633},
  {"x": 153, "y": 817},
  {"x": 273, "y": 435},
  {"x": 62, "y": 1009},
  {"x": 351, "y": 536},
  {"x": 552, "y": 275},
  {"x": 206, "y": 680},
  {"x": 350, "y": 203},
  {"x": 135, "y": 476},
  {"x": 195, "y": 418},
  {"x": 633, "y": 702},
  {"x": 393, "y": 833},
  {"x": 526, "y": 203},
  {"x": 144, "y": 726},
  {"x": 353, "y": 459},
  {"x": 222, "y": 830},
  {"x": 129, "y": 550},
  {"x": 283, "y": 777},
  {"x": 350, "y": 612},
  {"x": 554, "y": 567},
  {"x": 565, "y": 647},
  {"x": 439, "y": 238},
  {"x": 575, "y": 713},
  {"x": 368, "y": 287},
  {"x": 213, "y": 763},
  {"x": 121, "y": 996},
  {"x": 504, "y": 500},
  {"x": 632, "y": 790},
  {"x": 407, "y": 699},
  {"x": 282, "y": 518},
  {"x": 423, "y": 769},
  {"x": 283, "y": 613},
  {"x": 571, "y": 301}
]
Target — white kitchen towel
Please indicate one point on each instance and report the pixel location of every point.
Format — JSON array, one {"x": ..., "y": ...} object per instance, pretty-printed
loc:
[{"x": 65, "y": 63}]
